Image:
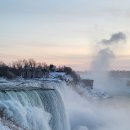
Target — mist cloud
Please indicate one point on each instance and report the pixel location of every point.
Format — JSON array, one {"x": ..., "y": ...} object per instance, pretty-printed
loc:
[{"x": 114, "y": 39}]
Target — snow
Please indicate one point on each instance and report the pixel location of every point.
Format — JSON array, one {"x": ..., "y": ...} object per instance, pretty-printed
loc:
[{"x": 55, "y": 79}]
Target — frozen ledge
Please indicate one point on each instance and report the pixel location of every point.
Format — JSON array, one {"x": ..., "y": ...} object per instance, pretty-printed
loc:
[{"x": 16, "y": 89}]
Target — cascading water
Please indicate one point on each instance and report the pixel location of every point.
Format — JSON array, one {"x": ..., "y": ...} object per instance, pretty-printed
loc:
[
  {"x": 32, "y": 110},
  {"x": 35, "y": 108}
]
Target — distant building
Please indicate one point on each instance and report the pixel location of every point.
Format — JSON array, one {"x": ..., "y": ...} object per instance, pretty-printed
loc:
[
  {"x": 52, "y": 68},
  {"x": 87, "y": 83}
]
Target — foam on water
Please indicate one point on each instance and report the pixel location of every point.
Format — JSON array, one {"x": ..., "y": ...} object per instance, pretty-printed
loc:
[{"x": 32, "y": 110}]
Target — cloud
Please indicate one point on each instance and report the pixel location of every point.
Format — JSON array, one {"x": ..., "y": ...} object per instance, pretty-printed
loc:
[{"x": 114, "y": 39}]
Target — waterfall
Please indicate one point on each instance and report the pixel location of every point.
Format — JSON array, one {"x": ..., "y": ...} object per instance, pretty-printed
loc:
[{"x": 32, "y": 109}]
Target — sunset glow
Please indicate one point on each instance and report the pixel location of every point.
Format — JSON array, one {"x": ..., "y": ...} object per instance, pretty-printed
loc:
[{"x": 62, "y": 32}]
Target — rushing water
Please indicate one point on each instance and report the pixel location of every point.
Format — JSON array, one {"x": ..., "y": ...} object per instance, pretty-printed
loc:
[
  {"x": 32, "y": 110},
  {"x": 63, "y": 109}
]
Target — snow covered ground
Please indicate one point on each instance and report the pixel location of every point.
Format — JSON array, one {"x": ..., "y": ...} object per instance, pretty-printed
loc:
[{"x": 55, "y": 80}]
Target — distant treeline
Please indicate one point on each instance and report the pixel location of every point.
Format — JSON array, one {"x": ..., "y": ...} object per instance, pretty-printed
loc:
[
  {"x": 120, "y": 74},
  {"x": 32, "y": 69}
]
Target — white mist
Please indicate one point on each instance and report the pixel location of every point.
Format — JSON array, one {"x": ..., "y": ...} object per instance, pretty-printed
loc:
[{"x": 96, "y": 114}]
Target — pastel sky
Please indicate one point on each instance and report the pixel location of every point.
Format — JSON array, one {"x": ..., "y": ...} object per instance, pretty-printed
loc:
[{"x": 63, "y": 32}]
